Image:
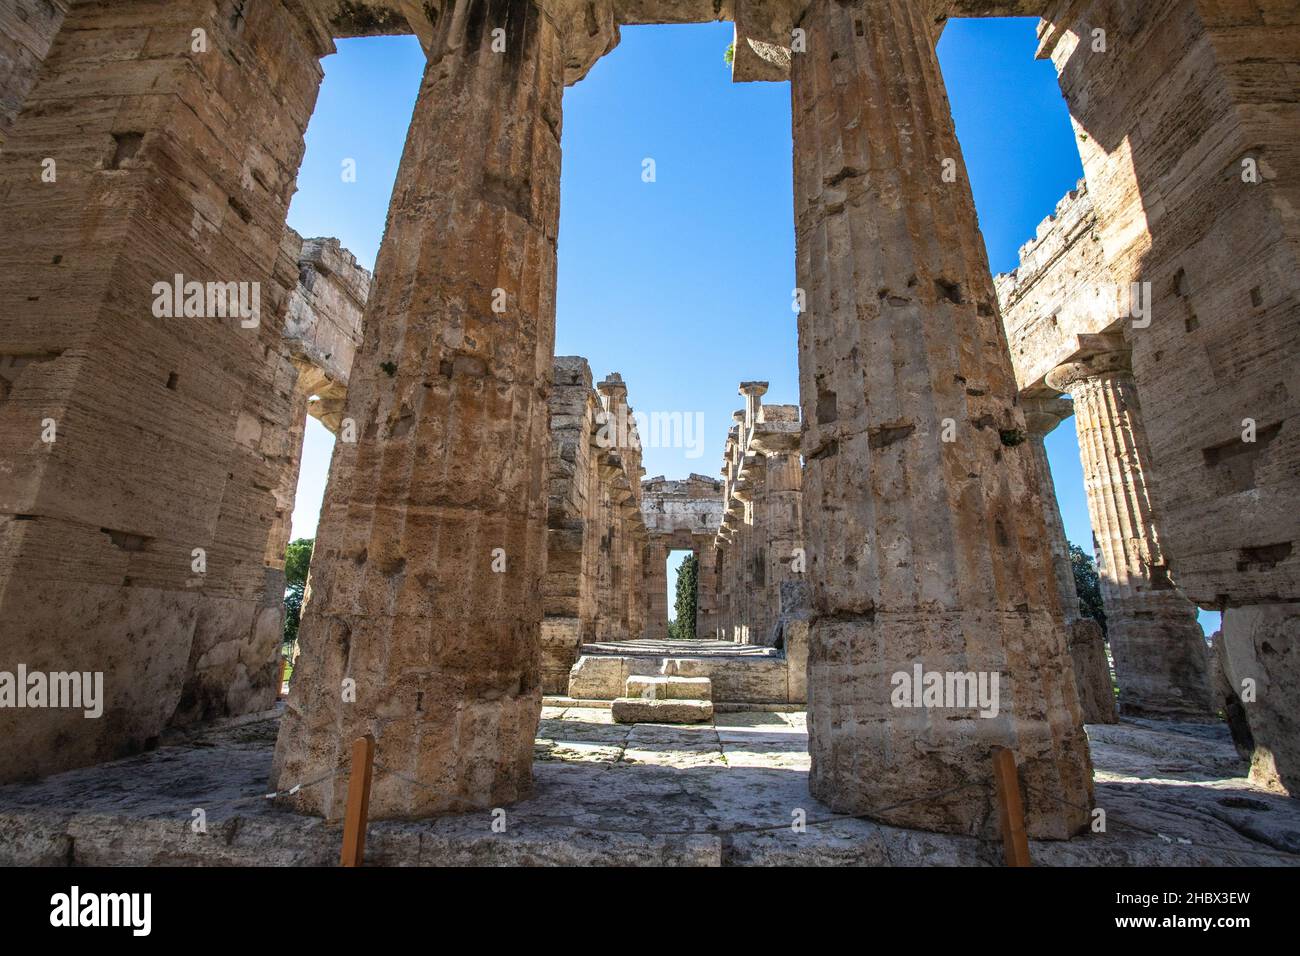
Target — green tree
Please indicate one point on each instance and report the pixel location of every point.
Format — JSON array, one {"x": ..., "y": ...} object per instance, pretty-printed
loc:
[
  {"x": 729, "y": 54},
  {"x": 297, "y": 560},
  {"x": 1088, "y": 585},
  {"x": 683, "y": 628}
]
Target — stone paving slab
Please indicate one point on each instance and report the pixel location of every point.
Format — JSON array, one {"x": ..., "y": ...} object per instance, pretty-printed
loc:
[{"x": 724, "y": 793}]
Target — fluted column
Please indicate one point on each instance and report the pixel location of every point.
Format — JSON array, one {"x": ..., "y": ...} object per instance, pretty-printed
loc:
[
  {"x": 706, "y": 591},
  {"x": 427, "y": 580},
  {"x": 656, "y": 590},
  {"x": 1087, "y": 642},
  {"x": 1161, "y": 658},
  {"x": 922, "y": 551}
]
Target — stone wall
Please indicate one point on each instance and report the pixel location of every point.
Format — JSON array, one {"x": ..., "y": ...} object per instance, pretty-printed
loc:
[
  {"x": 759, "y": 545},
  {"x": 135, "y": 542},
  {"x": 27, "y": 28},
  {"x": 595, "y": 532}
]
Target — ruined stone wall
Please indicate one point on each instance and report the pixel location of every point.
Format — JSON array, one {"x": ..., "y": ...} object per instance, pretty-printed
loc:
[
  {"x": 593, "y": 588},
  {"x": 760, "y": 540},
  {"x": 27, "y": 28},
  {"x": 1061, "y": 290},
  {"x": 321, "y": 297},
  {"x": 135, "y": 543},
  {"x": 1187, "y": 122}
]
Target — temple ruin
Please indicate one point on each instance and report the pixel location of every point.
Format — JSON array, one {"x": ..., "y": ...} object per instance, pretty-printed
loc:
[{"x": 490, "y": 553}]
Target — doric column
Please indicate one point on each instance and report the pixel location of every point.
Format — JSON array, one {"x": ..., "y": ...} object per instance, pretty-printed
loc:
[
  {"x": 141, "y": 437},
  {"x": 1161, "y": 658},
  {"x": 922, "y": 551},
  {"x": 656, "y": 590},
  {"x": 1087, "y": 643},
  {"x": 427, "y": 579},
  {"x": 753, "y": 393},
  {"x": 706, "y": 590}
]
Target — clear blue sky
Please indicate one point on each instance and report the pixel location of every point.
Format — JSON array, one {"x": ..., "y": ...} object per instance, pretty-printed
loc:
[{"x": 684, "y": 284}]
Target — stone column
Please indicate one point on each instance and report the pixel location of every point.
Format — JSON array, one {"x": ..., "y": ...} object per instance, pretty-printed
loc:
[
  {"x": 427, "y": 581},
  {"x": 706, "y": 590},
  {"x": 922, "y": 551},
  {"x": 1261, "y": 664},
  {"x": 141, "y": 445},
  {"x": 656, "y": 590},
  {"x": 753, "y": 393},
  {"x": 1087, "y": 642},
  {"x": 1161, "y": 658}
]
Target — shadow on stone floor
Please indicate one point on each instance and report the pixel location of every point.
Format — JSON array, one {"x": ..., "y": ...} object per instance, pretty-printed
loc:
[{"x": 629, "y": 795}]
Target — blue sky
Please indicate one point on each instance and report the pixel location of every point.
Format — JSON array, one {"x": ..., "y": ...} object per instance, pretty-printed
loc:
[{"x": 684, "y": 284}]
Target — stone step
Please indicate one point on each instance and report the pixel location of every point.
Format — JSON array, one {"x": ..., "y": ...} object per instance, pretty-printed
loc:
[
  {"x": 643, "y": 710},
  {"x": 669, "y": 687}
]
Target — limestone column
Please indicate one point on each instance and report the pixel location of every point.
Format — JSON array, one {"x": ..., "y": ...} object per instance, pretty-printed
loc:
[
  {"x": 423, "y": 628},
  {"x": 1087, "y": 642},
  {"x": 706, "y": 589},
  {"x": 1161, "y": 658},
  {"x": 656, "y": 590},
  {"x": 141, "y": 446},
  {"x": 922, "y": 551}
]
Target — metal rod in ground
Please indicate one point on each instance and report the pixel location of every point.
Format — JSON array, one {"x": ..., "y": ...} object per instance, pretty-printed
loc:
[
  {"x": 354, "y": 820},
  {"x": 1011, "y": 811}
]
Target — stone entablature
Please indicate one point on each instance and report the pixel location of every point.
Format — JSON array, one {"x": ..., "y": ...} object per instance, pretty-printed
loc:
[
  {"x": 1059, "y": 295},
  {"x": 323, "y": 325},
  {"x": 680, "y": 515}
]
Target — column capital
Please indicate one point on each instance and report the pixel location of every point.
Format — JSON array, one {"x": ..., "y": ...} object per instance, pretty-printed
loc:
[
  {"x": 612, "y": 385},
  {"x": 1044, "y": 412},
  {"x": 1106, "y": 364}
]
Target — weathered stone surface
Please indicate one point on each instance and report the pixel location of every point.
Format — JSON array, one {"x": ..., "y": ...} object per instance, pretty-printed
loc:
[
  {"x": 596, "y": 575},
  {"x": 1092, "y": 672},
  {"x": 1161, "y": 658},
  {"x": 635, "y": 710},
  {"x": 1261, "y": 644},
  {"x": 681, "y": 515},
  {"x": 1087, "y": 643},
  {"x": 169, "y": 430},
  {"x": 27, "y": 28},
  {"x": 669, "y": 687},
  {"x": 427, "y": 574},
  {"x": 721, "y": 793},
  {"x": 754, "y": 676},
  {"x": 920, "y": 550},
  {"x": 1186, "y": 126}
]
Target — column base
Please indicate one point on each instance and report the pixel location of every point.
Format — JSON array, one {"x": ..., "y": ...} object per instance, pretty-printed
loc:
[
  {"x": 1162, "y": 667},
  {"x": 1092, "y": 672},
  {"x": 1262, "y": 647},
  {"x": 877, "y": 753}
]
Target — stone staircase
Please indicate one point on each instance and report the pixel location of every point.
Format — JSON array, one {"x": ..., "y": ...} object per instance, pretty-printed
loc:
[{"x": 664, "y": 699}]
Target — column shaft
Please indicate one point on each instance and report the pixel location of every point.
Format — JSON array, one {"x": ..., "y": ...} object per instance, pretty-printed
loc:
[
  {"x": 1161, "y": 658},
  {"x": 427, "y": 576},
  {"x": 1092, "y": 676},
  {"x": 921, "y": 551}
]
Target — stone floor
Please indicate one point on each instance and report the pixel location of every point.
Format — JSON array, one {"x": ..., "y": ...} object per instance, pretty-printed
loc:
[{"x": 716, "y": 794}]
